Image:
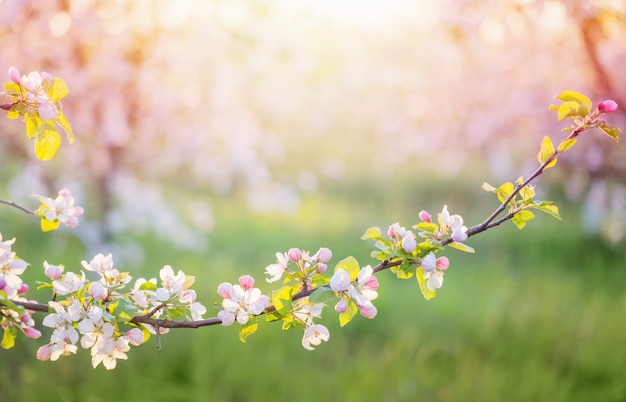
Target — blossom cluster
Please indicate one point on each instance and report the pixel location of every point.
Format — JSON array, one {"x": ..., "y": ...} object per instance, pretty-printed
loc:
[
  {"x": 36, "y": 97},
  {"x": 95, "y": 311},
  {"x": 12, "y": 290},
  {"x": 54, "y": 211}
]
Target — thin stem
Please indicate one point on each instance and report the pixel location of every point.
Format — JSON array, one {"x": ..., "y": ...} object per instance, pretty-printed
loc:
[{"x": 21, "y": 208}]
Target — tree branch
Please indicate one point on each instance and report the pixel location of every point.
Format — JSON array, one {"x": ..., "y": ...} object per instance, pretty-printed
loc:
[{"x": 21, "y": 208}]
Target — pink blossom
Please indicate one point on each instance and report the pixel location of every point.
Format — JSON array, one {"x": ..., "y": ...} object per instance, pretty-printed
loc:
[
  {"x": 294, "y": 254},
  {"x": 32, "y": 333},
  {"x": 314, "y": 335},
  {"x": 323, "y": 255},
  {"x": 408, "y": 242},
  {"x": 340, "y": 281},
  {"x": 14, "y": 75},
  {"x": 52, "y": 271},
  {"x": 321, "y": 267},
  {"x": 442, "y": 263},
  {"x": 425, "y": 216},
  {"x": 368, "y": 310},
  {"x": 3, "y": 283},
  {"x": 246, "y": 281},
  {"x": 23, "y": 289},
  {"x": 44, "y": 352},
  {"x": 341, "y": 306},
  {"x": 225, "y": 290},
  {"x": 608, "y": 106},
  {"x": 135, "y": 336},
  {"x": 97, "y": 291}
]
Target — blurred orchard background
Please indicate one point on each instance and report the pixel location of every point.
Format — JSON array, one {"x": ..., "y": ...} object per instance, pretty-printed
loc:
[{"x": 211, "y": 134}]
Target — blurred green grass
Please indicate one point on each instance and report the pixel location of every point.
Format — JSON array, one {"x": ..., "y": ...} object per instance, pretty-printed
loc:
[{"x": 534, "y": 315}]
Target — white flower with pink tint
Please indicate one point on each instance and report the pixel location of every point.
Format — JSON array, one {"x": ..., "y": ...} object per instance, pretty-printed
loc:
[
  {"x": 276, "y": 270},
  {"x": 314, "y": 335},
  {"x": 239, "y": 302}
]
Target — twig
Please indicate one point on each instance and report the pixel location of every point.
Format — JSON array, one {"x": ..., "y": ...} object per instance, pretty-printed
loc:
[{"x": 21, "y": 208}]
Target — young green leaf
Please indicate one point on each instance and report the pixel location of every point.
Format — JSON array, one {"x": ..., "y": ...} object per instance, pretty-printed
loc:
[
  {"x": 248, "y": 329},
  {"x": 523, "y": 216},
  {"x": 546, "y": 152},
  {"x": 462, "y": 246},
  {"x": 349, "y": 314}
]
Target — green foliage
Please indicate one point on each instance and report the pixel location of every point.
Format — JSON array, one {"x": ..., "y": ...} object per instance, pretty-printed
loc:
[
  {"x": 574, "y": 104},
  {"x": 547, "y": 153}
]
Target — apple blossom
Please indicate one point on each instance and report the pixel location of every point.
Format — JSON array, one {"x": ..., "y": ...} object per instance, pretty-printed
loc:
[
  {"x": 246, "y": 282},
  {"x": 52, "y": 271},
  {"x": 607, "y": 106},
  {"x": 70, "y": 283},
  {"x": 294, "y": 254},
  {"x": 368, "y": 310},
  {"x": 323, "y": 255},
  {"x": 276, "y": 270},
  {"x": 14, "y": 75},
  {"x": 107, "y": 350},
  {"x": 340, "y": 280},
  {"x": 134, "y": 336},
  {"x": 240, "y": 303},
  {"x": 314, "y": 335},
  {"x": 425, "y": 216},
  {"x": 341, "y": 306},
  {"x": 60, "y": 209},
  {"x": 32, "y": 333}
]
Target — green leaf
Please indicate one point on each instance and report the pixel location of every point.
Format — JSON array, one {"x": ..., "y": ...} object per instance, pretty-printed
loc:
[
  {"x": 372, "y": 233},
  {"x": 281, "y": 299},
  {"x": 349, "y": 314},
  {"x": 248, "y": 329},
  {"x": 8, "y": 339},
  {"x": 572, "y": 96},
  {"x": 548, "y": 208},
  {"x": 427, "y": 227},
  {"x": 504, "y": 191},
  {"x": 58, "y": 90},
  {"x": 527, "y": 193},
  {"x": 48, "y": 226},
  {"x": 566, "y": 144},
  {"x": 612, "y": 132},
  {"x": 404, "y": 271},
  {"x": 147, "y": 285},
  {"x": 32, "y": 125},
  {"x": 65, "y": 125},
  {"x": 462, "y": 246},
  {"x": 379, "y": 255},
  {"x": 323, "y": 295},
  {"x": 47, "y": 142},
  {"x": 428, "y": 294},
  {"x": 350, "y": 265},
  {"x": 546, "y": 152},
  {"x": 523, "y": 216}
]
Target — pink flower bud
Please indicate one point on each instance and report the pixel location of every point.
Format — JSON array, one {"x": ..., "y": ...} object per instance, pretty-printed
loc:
[
  {"x": 321, "y": 268},
  {"x": 25, "y": 318},
  {"x": 246, "y": 281},
  {"x": 224, "y": 289},
  {"x": 44, "y": 352},
  {"x": 97, "y": 291},
  {"x": 294, "y": 254},
  {"x": 368, "y": 310},
  {"x": 341, "y": 306},
  {"x": 3, "y": 283},
  {"x": 14, "y": 75},
  {"x": 408, "y": 242},
  {"x": 323, "y": 255},
  {"x": 372, "y": 283},
  {"x": 23, "y": 289},
  {"x": 425, "y": 216},
  {"x": 52, "y": 271},
  {"x": 442, "y": 263},
  {"x": 608, "y": 106},
  {"x": 135, "y": 336},
  {"x": 32, "y": 333}
]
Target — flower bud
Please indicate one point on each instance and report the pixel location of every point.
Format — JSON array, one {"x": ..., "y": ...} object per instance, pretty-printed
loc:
[
  {"x": 135, "y": 336},
  {"x": 425, "y": 216},
  {"x": 25, "y": 318},
  {"x": 341, "y": 306},
  {"x": 97, "y": 291},
  {"x": 408, "y": 242},
  {"x": 323, "y": 255},
  {"x": 246, "y": 281},
  {"x": 3, "y": 283},
  {"x": 368, "y": 310},
  {"x": 608, "y": 106},
  {"x": 224, "y": 289},
  {"x": 52, "y": 271},
  {"x": 321, "y": 268},
  {"x": 14, "y": 75},
  {"x": 23, "y": 289},
  {"x": 442, "y": 263},
  {"x": 32, "y": 333},
  {"x": 44, "y": 352},
  {"x": 294, "y": 254}
]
